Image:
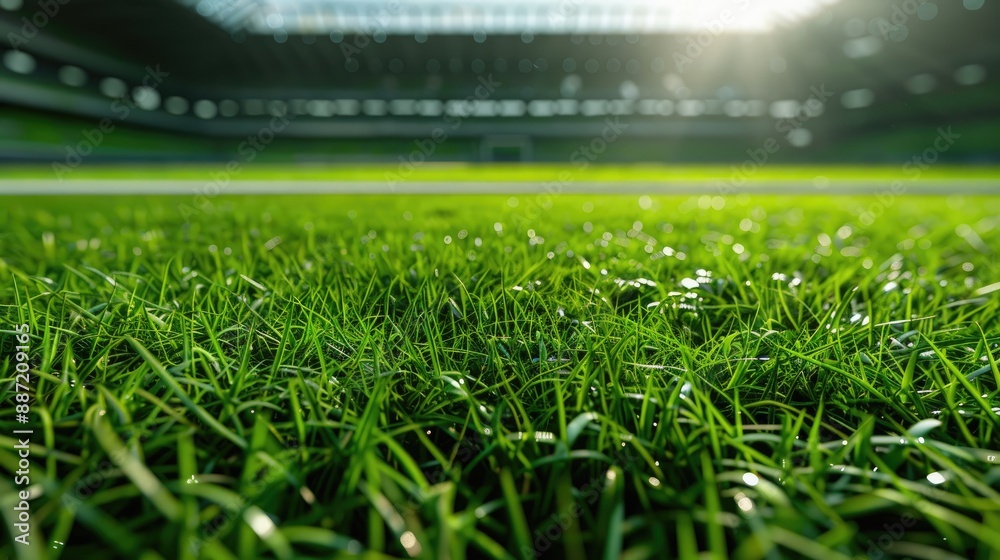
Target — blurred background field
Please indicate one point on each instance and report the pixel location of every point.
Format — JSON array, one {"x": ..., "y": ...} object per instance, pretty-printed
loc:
[{"x": 368, "y": 81}]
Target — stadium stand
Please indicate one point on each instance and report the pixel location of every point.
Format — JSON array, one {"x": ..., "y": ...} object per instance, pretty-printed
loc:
[{"x": 848, "y": 81}]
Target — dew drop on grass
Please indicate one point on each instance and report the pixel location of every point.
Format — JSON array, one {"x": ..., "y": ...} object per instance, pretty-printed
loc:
[
  {"x": 685, "y": 390},
  {"x": 744, "y": 503},
  {"x": 409, "y": 542},
  {"x": 690, "y": 283}
]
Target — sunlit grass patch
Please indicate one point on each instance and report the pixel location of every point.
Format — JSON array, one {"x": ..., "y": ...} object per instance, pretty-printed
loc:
[{"x": 497, "y": 376}]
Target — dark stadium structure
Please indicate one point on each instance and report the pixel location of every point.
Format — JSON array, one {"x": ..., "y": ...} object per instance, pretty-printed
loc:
[{"x": 855, "y": 80}]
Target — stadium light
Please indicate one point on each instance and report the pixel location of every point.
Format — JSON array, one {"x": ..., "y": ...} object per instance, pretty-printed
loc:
[{"x": 539, "y": 17}]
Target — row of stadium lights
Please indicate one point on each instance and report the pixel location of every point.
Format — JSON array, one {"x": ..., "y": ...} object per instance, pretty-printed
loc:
[
  {"x": 149, "y": 99},
  {"x": 525, "y": 65},
  {"x": 926, "y": 11},
  {"x": 855, "y": 28},
  {"x": 23, "y": 63},
  {"x": 281, "y": 36},
  {"x": 972, "y": 74},
  {"x": 613, "y": 65},
  {"x": 865, "y": 39}
]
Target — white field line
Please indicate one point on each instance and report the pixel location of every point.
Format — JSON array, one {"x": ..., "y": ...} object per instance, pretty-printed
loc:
[{"x": 188, "y": 187}]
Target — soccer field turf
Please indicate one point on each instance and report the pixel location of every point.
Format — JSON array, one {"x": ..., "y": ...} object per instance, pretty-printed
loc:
[{"x": 505, "y": 376}]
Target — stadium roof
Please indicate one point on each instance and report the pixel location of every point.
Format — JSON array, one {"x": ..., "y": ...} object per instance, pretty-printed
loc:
[{"x": 509, "y": 17}]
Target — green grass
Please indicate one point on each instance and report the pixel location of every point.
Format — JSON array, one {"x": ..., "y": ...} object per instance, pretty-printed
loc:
[
  {"x": 503, "y": 172},
  {"x": 459, "y": 377}
]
